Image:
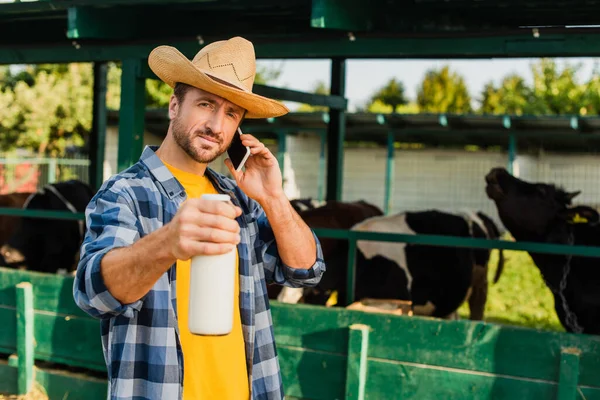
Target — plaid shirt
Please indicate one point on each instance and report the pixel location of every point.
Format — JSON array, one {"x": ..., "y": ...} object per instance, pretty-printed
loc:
[{"x": 141, "y": 340}]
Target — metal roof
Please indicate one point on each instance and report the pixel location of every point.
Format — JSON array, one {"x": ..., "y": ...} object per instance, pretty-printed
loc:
[
  {"x": 559, "y": 133},
  {"x": 82, "y": 30}
]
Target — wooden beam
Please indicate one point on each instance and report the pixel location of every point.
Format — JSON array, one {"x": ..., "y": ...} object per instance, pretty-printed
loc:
[
  {"x": 332, "y": 101},
  {"x": 348, "y": 15},
  {"x": 25, "y": 352},
  {"x": 336, "y": 133},
  {"x": 350, "y": 275},
  {"x": 131, "y": 114},
  {"x": 98, "y": 133},
  {"x": 389, "y": 175},
  {"x": 299, "y": 47}
]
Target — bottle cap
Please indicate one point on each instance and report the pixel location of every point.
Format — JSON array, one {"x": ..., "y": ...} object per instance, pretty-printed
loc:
[{"x": 216, "y": 197}]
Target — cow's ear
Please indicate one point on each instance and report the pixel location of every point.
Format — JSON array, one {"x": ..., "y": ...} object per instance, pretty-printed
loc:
[{"x": 581, "y": 215}]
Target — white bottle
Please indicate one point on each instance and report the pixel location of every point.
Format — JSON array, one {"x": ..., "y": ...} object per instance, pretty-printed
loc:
[{"x": 212, "y": 280}]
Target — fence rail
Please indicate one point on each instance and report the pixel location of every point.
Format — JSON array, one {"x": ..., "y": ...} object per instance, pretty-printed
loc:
[{"x": 446, "y": 241}]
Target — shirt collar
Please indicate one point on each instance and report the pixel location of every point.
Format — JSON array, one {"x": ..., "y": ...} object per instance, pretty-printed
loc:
[{"x": 165, "y": 178}]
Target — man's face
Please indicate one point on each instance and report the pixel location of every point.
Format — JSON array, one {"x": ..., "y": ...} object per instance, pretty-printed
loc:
[{"x": 203, "y": 124}]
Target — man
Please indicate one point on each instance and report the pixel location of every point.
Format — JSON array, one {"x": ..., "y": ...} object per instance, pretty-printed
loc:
[{"x": 148, "y": 221}]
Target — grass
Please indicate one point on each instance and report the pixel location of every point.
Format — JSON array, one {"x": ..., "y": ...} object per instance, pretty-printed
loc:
[{"x": 520, "y": 297}]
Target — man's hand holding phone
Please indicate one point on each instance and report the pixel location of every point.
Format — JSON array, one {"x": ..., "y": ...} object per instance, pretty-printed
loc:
[{"x": 262, "y": 178}]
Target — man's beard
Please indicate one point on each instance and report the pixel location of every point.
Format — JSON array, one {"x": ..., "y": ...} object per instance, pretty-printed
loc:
[{"x": 204, "y": 155}]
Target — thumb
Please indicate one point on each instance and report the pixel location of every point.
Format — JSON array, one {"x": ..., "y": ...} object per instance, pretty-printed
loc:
[{"x": 236, "y": 174}]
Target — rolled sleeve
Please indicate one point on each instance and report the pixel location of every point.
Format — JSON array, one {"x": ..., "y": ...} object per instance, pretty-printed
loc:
[
  {"x": 276, "y": 271},
  {"x": 111, "y": 223},
  {"x": 297, "y": 277}
]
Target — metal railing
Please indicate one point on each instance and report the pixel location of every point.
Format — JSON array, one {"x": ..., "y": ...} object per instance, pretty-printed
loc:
[
  {"x": 353, "y": 236},
  {"x": 445, "y": 241}
]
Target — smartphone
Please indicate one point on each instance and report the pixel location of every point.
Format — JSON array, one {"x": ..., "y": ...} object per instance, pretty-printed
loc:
[{"x": 237, "y": 152}]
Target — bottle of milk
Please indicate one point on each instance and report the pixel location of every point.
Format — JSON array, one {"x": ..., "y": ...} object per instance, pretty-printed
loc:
[{"x": 212, "y": 280}]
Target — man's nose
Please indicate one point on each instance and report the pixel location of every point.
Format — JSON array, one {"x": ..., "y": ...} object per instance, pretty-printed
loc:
[{"x": 216, "y": 121}]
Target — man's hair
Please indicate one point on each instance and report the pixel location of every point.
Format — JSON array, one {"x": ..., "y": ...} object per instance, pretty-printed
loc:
[{"x": 180, "y": 90}]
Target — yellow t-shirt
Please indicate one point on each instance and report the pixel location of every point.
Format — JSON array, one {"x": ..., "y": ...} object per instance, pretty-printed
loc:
[{"x": 214, "y": 366}]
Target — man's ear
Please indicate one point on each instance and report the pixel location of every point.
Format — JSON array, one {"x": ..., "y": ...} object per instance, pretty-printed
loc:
[
  {"x": 581, "y": 215},
  {"x": 173, "y": 107}
]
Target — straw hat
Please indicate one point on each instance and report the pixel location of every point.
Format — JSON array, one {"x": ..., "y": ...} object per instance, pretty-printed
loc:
[{"x": 225, "y": 68}]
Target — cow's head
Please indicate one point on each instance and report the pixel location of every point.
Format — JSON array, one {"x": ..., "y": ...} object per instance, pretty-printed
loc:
[
  {"x": 535, "y": 210},
  {"x": 49, "y": 245}
]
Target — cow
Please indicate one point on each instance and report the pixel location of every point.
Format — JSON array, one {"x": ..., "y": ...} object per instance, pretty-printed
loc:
[
  {"x": 306, "y": 204},
  {"x": 543, "y": 212},
  {"x": 437, "y": 280},
  {"x": 8, "y": 223},
  {"x": 332, "y": 215},
  {"x": 49, "y": 245}
]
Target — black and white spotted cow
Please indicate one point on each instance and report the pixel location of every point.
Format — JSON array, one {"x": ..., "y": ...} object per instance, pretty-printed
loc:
[{"x": 436, "y": 279}]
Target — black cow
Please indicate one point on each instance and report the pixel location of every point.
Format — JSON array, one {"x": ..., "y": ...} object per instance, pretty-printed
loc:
[
  {"x": 436, "y": 279},
  {"x": 540, "y": 212},
  {"x": 49, "y": 245}
]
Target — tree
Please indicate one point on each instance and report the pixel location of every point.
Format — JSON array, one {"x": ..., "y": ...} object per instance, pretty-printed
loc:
[
  {"x": 513, "y": 96},
  {"x": 51, "y": 115},
  {"x": 591, "y": 94},
  {"x": 392, "y": 94},
  {"x": 555, "y": 91},
  {"x": 318, "y": 88},
  {"x": 443, "y": 91}
]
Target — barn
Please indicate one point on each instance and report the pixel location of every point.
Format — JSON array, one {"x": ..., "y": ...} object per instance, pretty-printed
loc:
[{"x": 49, "y": 344}]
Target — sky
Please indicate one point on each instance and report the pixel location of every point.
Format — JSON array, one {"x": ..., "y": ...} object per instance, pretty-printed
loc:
[{"x": 363, "y": 77}]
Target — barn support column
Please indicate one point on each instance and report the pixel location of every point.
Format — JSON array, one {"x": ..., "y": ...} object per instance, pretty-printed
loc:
[
  {"x": 98, "y": 134},
  {"x": 389, "y": 174},
  {"x": 336, "y": 132},
  {"x": 322, "y": 165},
  {"x": 512, "y": 154},
  {"x": 131, "y": 114}
]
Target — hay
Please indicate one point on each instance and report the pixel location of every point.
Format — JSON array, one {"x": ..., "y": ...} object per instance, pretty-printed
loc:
[{"x": 37, "y": 392}]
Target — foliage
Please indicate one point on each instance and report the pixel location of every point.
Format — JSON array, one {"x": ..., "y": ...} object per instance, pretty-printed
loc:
[
  {"x": 51, "y": 115},
  {"x": 392, "y": 94},
  {"x": 319, "y": 88},
  {"x": 443, "y": 91},
  {"x": 379, "y": 107},
  {"x": 512, "y": 97}
]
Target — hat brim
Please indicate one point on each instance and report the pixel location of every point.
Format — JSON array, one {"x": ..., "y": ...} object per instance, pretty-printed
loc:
[{"x": 171, "y": 66}]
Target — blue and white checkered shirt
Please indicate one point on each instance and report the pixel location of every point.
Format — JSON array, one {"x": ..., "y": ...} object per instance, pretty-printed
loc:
[{"x": 141, "y": 340}]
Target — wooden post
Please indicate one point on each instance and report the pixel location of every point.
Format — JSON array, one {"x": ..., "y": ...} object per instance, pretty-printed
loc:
[
  {"x": 351, "y": 276},
  {"x": 356, "y": 369},
  {"x": 568, "y": 374},
  {"x": 512, "y": 152},
  {"x": 98, "y": 133},
  {"x": 322, "y": 165},
  {"x": 25, "y": 337},
  {"x": 131, "y": 114},
  {"x": 389, "y": 175},
  {"x": 282, "y": 151},
  {"x": 336, "y": 133}
]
